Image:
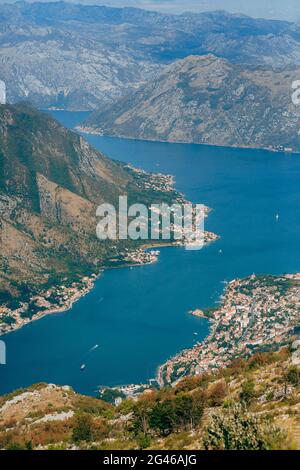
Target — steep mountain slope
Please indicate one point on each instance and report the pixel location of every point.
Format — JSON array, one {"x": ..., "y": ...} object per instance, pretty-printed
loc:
[
  {"x": 51, "y": 182},
  {"x": 253, "y": 404},
  {"x": 80, "y": 57},
  {"x": 205, "y": 99}
]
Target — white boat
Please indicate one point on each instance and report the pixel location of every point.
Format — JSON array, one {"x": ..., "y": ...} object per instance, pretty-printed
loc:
[
  {"x": 83, "y": 366},
  {"x": 195, "y": 245}
]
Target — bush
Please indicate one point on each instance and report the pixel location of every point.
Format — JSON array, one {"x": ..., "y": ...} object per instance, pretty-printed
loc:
[
  {"x": 216, "y": 393},
  {"x": 248, "y": 392},
  {"x": 15, "y": 446},
  {"x": 235, "y": 429},
  {"x": 293, "y": 376},
  {"x": 82, "y": 430},
  {"x": 143, "y": 441}
]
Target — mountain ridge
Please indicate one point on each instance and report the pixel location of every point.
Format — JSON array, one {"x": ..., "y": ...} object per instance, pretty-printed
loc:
[
  {"x": 208, "y": 100},
  {"x": 79, "y": 57}
]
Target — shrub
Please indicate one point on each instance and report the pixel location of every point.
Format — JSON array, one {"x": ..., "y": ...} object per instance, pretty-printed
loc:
[
  {"x": 143, "y": 441},
  {"x": 235, "y": 429},
  {"x": 248, "y": 392},
  {"x": 293, "y": 376},
  {"x": 216, "y": 393},
  {"x": 82, "y": 430}
]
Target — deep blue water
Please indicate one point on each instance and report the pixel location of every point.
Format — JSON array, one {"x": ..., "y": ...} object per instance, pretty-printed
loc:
[{"x": 139, "y": 316}]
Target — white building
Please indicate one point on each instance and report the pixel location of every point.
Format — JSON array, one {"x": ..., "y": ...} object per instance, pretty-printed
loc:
[{"x": 2, "y": 92}]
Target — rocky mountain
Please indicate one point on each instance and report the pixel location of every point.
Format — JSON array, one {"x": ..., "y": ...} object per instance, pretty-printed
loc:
[
  {"x": 55, "y": 57},
  {"x": 51, "y": 182},
  {"x": 82, "y": 57},
  {"x": 208, "y": 100},
  {"x": 252, "y": 405}
]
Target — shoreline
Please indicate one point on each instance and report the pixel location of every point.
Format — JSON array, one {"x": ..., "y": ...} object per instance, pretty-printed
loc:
[
  {"x": 88, "y": 284},
  {"x": 60, "y": 299},
  {"x": 91, "y": 131},
  {"x": 69, "y": 303},
  {"x": 255, "y": 313}
]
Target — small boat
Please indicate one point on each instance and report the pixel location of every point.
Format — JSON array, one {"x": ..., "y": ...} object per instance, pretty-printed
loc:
[
  {"x": 83, "y": 366},
  {"x": 220, "y": 252},
  {"x": 277, "y": 217},
  {"x": 196, "y": 334}
]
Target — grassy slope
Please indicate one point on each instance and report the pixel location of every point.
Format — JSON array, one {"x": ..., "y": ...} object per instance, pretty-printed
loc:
[{"x": 267, "y": 386}]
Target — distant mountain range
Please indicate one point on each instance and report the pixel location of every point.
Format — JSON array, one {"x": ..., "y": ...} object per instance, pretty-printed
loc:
[
  {"x": 85, "y": 57},
  {"x": 208, "y": 100}
]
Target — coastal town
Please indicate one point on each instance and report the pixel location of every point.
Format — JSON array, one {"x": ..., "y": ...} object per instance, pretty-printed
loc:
[
  {"x": 54, "y": 300},
  {"x": 156, "y": 181},
  {"x": 135, "y": 257},
  {"x": 255, "y": 314}
]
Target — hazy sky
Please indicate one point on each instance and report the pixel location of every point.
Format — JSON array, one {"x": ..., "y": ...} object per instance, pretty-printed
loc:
[{"x": 281, "y": 9}]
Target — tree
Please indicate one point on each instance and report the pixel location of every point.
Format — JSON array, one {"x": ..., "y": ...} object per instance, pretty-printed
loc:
[
  {"x": 163, "y": 418},
  {"x": 141, "y": 414},
  {"x": 183, "y": 411},
  {"x": 188, "y": 410}
]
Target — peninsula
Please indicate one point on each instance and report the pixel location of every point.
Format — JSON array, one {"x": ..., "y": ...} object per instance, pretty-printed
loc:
[{"x": 256, "y": 314}]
